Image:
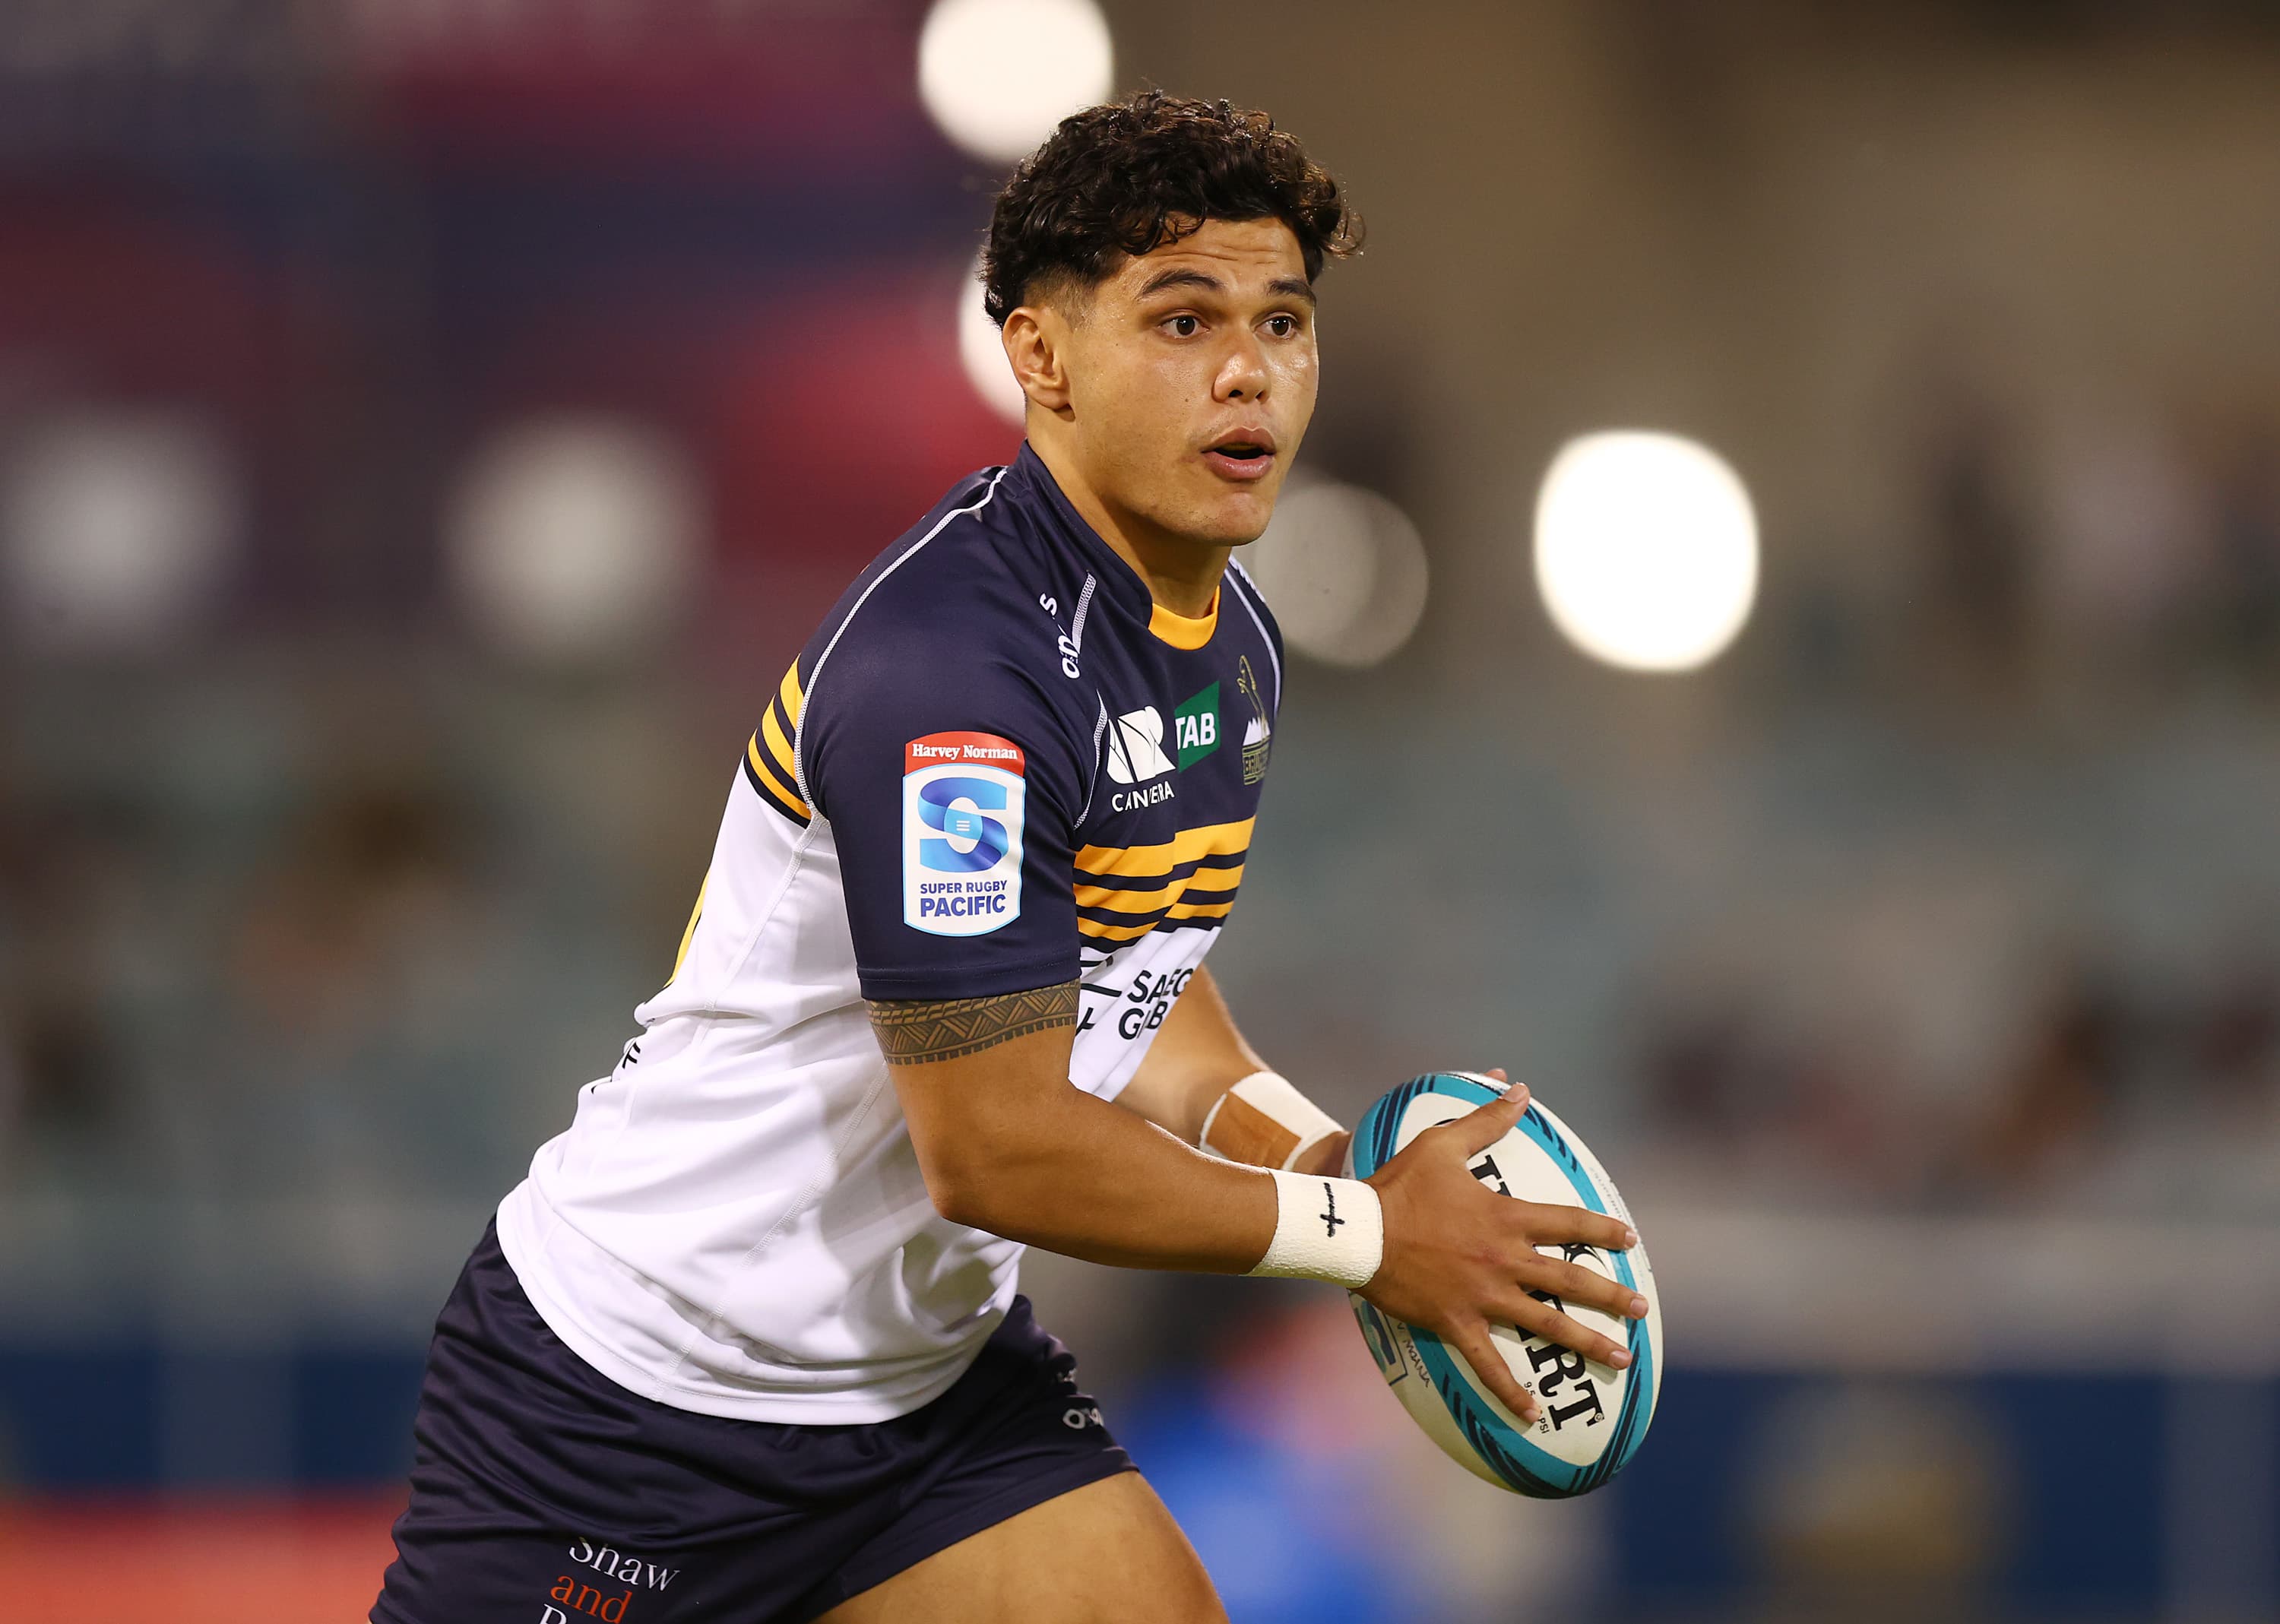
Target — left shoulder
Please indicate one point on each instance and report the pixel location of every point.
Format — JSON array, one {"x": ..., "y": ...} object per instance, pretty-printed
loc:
[{"x": 1242, "y": 600}]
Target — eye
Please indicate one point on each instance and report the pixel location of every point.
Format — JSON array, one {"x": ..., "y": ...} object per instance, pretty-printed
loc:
[
  {"x": 1182, "y": 327},
  {"x": 1283, "y": 327}
]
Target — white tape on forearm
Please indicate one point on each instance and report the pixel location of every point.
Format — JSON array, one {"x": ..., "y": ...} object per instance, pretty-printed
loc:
[
  {"x": 1325, "y": 1228},
  {"x": 1263, "y": 1120}
]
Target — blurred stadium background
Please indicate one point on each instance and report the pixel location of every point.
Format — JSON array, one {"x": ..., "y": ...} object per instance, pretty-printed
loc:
[{"x": 427, "y": 426}]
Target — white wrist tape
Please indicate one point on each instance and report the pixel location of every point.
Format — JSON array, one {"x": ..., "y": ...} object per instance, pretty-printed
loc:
[
  {"x": 1325, "y": 1228},
  {"x": 1263, "y": 1120}
]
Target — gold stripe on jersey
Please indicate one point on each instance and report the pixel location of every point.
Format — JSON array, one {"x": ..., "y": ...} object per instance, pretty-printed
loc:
[
  {"x": 1100, "y": 932},
  {"x": 764, "y": 779},
  {"x": 1118, "y": 901},
  {"x": 779, "y": 747},
  {"x": 1163, "y": 903},
  {"x": 1200, "y": 909},
  {"x": 1146, "y": 862},
  {"x": 1112, "y": 933},
  {"x": 790, "y": 693}
]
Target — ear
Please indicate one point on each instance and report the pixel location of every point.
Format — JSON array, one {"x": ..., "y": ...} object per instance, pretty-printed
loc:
[{"x": 1036, "y": 344}]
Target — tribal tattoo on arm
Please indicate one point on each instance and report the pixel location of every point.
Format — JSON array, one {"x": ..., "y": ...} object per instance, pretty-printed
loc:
[{"x": 915, "y": 1031}]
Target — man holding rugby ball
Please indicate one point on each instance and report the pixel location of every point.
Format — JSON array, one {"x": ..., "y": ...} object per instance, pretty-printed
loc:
[{"x": 746, "y": 1344}]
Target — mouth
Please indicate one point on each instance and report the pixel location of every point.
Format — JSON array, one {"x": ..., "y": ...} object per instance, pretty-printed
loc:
[{"x": 1244, "y": 455}]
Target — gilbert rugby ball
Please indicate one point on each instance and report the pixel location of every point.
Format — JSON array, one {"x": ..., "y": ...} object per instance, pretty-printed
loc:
[{"x": 1593, "y": 1416}]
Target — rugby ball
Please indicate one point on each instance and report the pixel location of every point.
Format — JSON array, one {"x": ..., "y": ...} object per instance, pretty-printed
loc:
[{"x": 1593, "y": 1417}]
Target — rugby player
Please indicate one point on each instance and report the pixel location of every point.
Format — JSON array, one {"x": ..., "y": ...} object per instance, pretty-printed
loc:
[{"x": 746, "y": 1345}]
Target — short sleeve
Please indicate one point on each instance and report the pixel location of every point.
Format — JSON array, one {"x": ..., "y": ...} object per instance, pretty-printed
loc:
[{"x": 952, "y": 789}]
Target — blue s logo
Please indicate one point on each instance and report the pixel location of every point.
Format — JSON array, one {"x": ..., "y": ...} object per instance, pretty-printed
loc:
[{"x": 972, "y": 841}]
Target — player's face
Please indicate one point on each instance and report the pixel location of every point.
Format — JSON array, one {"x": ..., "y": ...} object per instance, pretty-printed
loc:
[{"x": 1191, "y": 376}]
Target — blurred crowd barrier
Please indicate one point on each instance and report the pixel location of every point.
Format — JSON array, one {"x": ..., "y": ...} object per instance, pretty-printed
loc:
[{"x": 425, "y": 433}]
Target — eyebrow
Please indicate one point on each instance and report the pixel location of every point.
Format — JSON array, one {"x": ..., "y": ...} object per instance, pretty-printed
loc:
[{"x": 1181, "y": 276}]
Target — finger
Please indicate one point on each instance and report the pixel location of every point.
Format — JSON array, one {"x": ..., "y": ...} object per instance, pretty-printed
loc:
[
  {"x": 1482, "y": 1125},
  {"x": 1542, "y": 1320},
  {"x": 1480, "y": 1354},
  {"x": 1573, "y": 1284},
  {"x": 1498, "y": 1073},
  {"x": 1550, "y": 1224}
]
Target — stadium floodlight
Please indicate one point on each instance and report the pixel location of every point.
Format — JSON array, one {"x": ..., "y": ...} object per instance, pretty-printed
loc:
[
  {"x": 118, "y": 529},
  {"x": 1647, "y": 549},
  {"x": 1344, "y": 572},
  {"x": 997, "y": 74},
  {"x": 981, "y": 351},
  {"x": 574, "y": 538}
]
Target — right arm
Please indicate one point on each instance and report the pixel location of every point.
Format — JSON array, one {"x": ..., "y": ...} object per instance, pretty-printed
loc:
[
  {"x": 1006, "y": 1143},
  {"x": 1007, "y": 1146}
]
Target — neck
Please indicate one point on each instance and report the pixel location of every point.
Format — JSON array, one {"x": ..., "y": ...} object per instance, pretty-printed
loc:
[{"x": 1181, "y": 574}]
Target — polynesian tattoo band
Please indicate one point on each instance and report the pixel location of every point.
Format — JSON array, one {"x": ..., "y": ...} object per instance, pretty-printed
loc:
[{"x": 918, "y": 1030}]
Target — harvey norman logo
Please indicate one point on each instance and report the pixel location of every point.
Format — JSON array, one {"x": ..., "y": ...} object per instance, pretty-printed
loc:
[{"x": 966, "y": 747}]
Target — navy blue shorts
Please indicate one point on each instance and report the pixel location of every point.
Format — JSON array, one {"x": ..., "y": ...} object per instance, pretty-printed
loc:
[{"x": 544, "y": 1493}]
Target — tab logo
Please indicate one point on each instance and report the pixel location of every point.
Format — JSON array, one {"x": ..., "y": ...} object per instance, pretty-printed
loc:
[
  {"x": 1196, "y": 726},
  {"x": 962, "y": 817}
]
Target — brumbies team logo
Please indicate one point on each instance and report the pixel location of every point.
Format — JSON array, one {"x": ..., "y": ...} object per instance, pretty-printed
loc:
[
  {"x": 962, "y": 794},
  {"x": 1257, "y": 734}
]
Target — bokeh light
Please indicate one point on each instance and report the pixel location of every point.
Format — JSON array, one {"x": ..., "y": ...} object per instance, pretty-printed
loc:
[
  {"x": 576, "y": 538},
  {"x": 1344, "y": 572},
  {"x": 1647, "y": 549},
  {"x": 998, "y": 74},
  {"x": 116, "y": 529},
  {"x": 981, "y": 351}
]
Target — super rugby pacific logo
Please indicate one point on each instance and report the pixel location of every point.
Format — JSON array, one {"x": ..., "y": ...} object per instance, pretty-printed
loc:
[
  {"x": 961, "y": 808},
  {"x": 963, "y": 799}
]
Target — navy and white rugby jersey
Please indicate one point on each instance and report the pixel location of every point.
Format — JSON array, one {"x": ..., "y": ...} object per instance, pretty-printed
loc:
[{"x": 996, "y": 766}]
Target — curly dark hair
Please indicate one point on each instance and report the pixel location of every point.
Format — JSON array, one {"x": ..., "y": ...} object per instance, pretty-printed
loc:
[{"x": 1133, "y": 175}]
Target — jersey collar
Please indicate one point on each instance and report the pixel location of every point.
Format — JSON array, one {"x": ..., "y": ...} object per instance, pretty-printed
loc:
[
  {"x": 1119, "y": 582},
  {"x": 1184, "y": 631}
]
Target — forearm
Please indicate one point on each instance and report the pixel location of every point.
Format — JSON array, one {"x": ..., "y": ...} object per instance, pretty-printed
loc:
[
  {"x": 1198, "y": 1055},
  {"x": 1189, "y": 1081},
  {"x": 1007, "y": 1144},
  {"x": 1086, "y": 1178}
]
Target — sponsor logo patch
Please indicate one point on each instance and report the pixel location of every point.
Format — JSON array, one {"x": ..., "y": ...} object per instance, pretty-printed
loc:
[
  {"x": 1136, "y": 756},
  {"x": 1136, "y": 747},
  {"x": 962, "y": 811},
  {"x": 1258, "y": 733},
  {"x": 1196, "y": 726}
]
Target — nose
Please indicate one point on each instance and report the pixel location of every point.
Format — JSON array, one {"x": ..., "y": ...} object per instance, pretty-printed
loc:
[{"x": 1241, "y": 374}]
